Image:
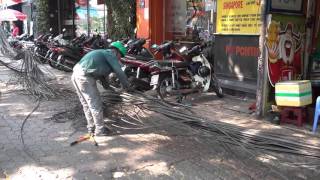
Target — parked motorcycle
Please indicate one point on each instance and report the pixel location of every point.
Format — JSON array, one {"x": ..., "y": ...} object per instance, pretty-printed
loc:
[
  {"x": 22, "y": 41},
  {"x": 64, "y": 57},
  {"x": 41, "y": 45},
  {"x": 136, "y": 49},
  {"x": 183, "y": 77},
  {"x": 138, "y": 63}
]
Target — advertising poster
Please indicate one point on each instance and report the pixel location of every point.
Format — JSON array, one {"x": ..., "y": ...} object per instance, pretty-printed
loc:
[
  {"x": 285, "y": 44},
  {"x": 238, "y": 16}
]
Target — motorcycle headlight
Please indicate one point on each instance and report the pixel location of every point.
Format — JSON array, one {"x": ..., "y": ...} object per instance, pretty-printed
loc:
[{"x": 204, "y": 71}]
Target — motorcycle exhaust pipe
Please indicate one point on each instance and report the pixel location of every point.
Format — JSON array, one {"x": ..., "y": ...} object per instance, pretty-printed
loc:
[{"x": 183, "y": 91}]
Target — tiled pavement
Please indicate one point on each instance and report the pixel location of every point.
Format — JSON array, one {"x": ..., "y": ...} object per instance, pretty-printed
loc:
[{"x": 169, "y": 152}]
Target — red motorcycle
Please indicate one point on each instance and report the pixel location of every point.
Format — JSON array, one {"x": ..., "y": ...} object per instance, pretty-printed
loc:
[{"x": 140, "y": 62}]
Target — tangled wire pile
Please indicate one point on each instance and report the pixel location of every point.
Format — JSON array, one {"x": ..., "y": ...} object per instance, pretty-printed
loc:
[
  {"x": 251, "y": 141},
  {"x": 27, "y": 69}
]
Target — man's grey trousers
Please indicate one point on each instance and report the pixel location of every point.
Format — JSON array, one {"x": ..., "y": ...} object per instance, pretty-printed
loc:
[{"x": 87, "y": 90}]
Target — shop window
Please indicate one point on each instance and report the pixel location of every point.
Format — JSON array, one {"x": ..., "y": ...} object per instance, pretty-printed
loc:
[
  {"x": 90, "y": 18},
  {"x": 189, "y": 20},
  {"x": 81, "y": 17},
  {"x": 97, "y": 17}
]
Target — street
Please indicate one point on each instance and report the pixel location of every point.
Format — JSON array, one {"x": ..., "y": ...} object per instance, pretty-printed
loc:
[
  {"x": 159, "y": 90},
  {"x": 155, "y": 148}
]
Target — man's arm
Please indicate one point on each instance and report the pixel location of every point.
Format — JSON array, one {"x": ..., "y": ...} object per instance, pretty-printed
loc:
[{"x": 116, "y": 68}]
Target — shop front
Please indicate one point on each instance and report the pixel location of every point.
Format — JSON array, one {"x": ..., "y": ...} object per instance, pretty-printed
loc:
[
  {"x": 270, "y": 31},
  {"x": 185, "y": 21},
  {"x": 258, "y": 43},
  {"x": 269, "y": 49},
  {"x": 78, "y": 16},
  {"x": 18, "y": 5},
  {"x": 237, "y": 44}
]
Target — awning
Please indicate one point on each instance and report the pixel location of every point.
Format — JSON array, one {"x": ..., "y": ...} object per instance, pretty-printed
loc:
[
  {"x": 12, "y": 15},
  {"x": 10, "y": 2}
]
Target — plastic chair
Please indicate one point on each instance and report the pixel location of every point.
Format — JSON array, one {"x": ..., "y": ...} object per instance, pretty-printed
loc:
[{"x": 316, "y": 115}]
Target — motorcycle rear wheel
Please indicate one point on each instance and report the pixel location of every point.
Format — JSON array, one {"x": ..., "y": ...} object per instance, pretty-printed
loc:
[
  {"x": 65, "y": 65},
  {"x": 53, "y": 60}
]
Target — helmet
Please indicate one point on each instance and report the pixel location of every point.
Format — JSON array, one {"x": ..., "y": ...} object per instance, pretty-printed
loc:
[
  {"x": 204, "y": 71},
  {"x": 120, "y": 47}
]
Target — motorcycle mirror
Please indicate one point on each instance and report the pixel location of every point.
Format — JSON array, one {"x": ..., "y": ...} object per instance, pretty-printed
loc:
[
  {"x": 154, "y": 46},
  {"x": 183, "y": 49},
  {"x": 64, "y": 30},
  {"x": 51, "y": 29}
]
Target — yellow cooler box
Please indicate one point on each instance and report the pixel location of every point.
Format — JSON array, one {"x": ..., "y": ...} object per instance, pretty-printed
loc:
[{"x": 293, "y": 93}]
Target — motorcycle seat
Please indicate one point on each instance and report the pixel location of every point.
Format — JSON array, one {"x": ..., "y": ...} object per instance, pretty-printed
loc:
[
  {"x": 139, "y": 58},
  {"x": 175, "y": 63}
]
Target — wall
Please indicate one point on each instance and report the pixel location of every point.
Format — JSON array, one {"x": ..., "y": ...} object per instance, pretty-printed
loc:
[
  {"x": 143, "y": 19},
  {"x": 235, "y": 61},
  {"x": 150, "y": 21},
  {"x": 237, "y": 44}
]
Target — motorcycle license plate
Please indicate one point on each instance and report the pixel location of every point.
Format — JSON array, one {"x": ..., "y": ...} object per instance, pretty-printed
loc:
[{"x": 154, "y": 80}]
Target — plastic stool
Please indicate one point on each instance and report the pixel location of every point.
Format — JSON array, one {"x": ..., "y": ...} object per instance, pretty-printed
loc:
[
  {"x": 293, "y": 115},
  {"x": 316, "y": 115}
]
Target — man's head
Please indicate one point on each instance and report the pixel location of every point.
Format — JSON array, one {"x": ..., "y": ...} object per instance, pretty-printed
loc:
[{"x": 119, "y": 47}]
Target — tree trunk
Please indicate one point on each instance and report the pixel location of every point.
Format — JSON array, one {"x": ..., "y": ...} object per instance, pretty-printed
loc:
[
  {"x": 262, "y": 83},
  {"x": 109, "y": 18}
]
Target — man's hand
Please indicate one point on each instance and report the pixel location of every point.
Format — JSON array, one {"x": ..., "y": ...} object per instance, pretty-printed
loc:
[
  {"x": 129, "y": 89},
  {"x": 104, "y": 83}
]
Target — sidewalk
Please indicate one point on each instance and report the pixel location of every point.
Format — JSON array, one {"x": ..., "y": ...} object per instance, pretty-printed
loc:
[{"x": 175, "y": 151}]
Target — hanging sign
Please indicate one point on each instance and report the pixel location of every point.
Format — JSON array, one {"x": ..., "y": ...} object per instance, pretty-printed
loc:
[
  {"x": 294, "y": 6},
  {"x": 238, "y": 16}
]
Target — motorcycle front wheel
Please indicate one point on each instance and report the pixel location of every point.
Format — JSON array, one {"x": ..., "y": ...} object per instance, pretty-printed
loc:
[
  {"x": 165, "y": 86},
  {"x": 215, "y": 85}
]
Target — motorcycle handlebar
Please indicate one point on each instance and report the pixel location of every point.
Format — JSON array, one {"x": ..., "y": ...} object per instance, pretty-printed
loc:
[
  {"x": 165, "y": 45},
  {"x": 138, "y": 44},
  {"x": 196, "y": 50}
]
